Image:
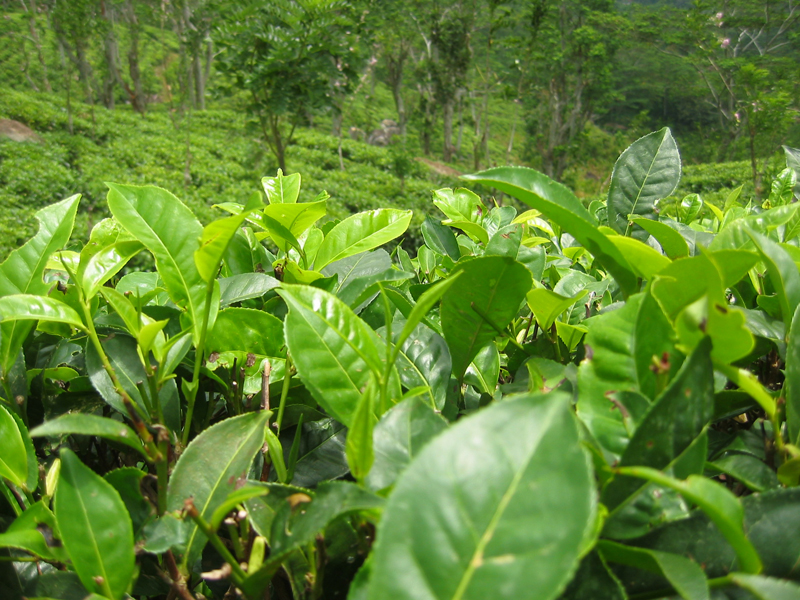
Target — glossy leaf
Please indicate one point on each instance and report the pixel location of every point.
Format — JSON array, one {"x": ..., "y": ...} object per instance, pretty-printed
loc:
[
  {"x": 106, "y": 263},
  {"x": 721, "y": 506},
  {"x": 647, "y": 171},
  {"x": 214, "y": 242},
  {"x": 361, "y": 232},
  {"x": 674, "y": 421},
  {"x": 689, "y": 208},
  {"x": 21, "y": 272},
  {"x": 244, "y": 286},
  {"x": 430, "y": 356},
  {"x": 683, "y": 574},
  {"x": 560, "y": 205},
  {"x": 282, "y": 189},
  {"x": 672, "y": 242},
  {"x": 172, "y": 234},
  {"x": 547, "y": 306},
  {"x": 440, "y": 238},
  {"x": 296, "y": 217},
  {"x": 767, "y": 588},
  {"x": 333, "y": 349},
  {"x": 40, "y": 308},
  {"x": 95, "y": 528},
  {"x": 398, "y": 437},
  {"x": 792, "y": 384},
  {"x": 246, "y": 330},
  {"x": 210, "y": 468},
  {"x": 491, "y": 287},
  {"x": 358, "y": 448},
  {"x": 621, "y": 346},
  {"x": 783, "y": 274},
  {"x": 594, "y": 580},
  {"x": 469, "y": 541},
  {"x": 35, "y": 531},
  {"x": 83, "y": 424},
  {"x": 322, "y": 453},
  {"x": 459, "y": 205},
  {"x": 644, "y": 260},
  {"x": 13, "y": 454}
]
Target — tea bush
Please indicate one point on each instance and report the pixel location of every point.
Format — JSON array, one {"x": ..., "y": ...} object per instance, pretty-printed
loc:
[{"x": 560, "y": 403}]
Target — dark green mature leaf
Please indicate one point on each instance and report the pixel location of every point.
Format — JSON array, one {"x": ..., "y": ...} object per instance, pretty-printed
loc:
[
  {"x": 246, "y": 330},
  {"x": 747, "y": 469},
  {"x": 128, "y": 483},
  {"x": 121, "y": 352},
  {"x": 322, "y": 453},
  {"x": 172, "y": 233},
  {"x": 294, "y": 527},
  {"x": 647, "y": 171},
  {"x": 13, "y": 454},
  {"x": 674, "y": 421},
  {"x": 621, "y": 346},
  {"x": 560, "y": 204},
  {"x": 261, "y": 510},
  {"x": 35, "y": 531},
  {"x": 471, "y": 541},
  {"x": 399, "y": 436},
  {"x": 21, "y": 272},
  {"x": 210, "y": 468},
  {"x": 594, "y": 580},
  {"x": 333, "y": 349},
  {"x": 304, "y": 515},
  {"x": 792, "y": 383},
  {"x": 95, "y": 528},
  {"x": 718, "y": 502},
  {"x": 767, "y": 588},
  {"x": 82, "y": 424},
  {"x": 427, "y": 351},
  {"x": 683, "y": 574},
  {"x": 771, "y": 521},
  {"x": 244, "y": 286},
  {"x": 440, "y": 238},
  {"x": 361, "y": 232},
  {"x": 489, "y": 287},
  {"x": 783, "y": 274}
]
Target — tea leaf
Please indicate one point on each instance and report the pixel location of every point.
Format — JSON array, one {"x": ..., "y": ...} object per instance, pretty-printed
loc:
[
  {"x": 469, "y": 541},
  {"x": 95, "y": 528}
]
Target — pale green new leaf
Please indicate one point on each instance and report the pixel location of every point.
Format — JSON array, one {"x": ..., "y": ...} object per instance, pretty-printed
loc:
[{"x": 361, "y": 232}]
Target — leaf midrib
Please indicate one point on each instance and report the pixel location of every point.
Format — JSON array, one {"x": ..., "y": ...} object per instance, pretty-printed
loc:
[
  {"x": 501, "y": 507},
  {"x": 195, "y": 529},
  {"x": 644, "y": 183},
  {"x": 168, "y": 252}
]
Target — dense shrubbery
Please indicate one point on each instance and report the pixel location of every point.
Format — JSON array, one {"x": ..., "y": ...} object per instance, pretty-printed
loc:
[
  {"x": 224, "y": 163},
  {"x": 564, "y": 403}
]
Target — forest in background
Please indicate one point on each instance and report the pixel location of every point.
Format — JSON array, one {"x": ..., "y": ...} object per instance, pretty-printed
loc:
[{"x": 562, "y": 86}]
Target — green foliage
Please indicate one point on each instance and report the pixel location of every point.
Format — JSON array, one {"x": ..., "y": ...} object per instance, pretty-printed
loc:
[{"x": 508, "y": 412}]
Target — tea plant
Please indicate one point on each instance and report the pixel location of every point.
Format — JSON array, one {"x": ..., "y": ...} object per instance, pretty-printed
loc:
[{"x": 570, "y": 402}]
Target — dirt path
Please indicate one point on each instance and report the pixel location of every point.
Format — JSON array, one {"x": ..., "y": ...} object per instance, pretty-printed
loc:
[{"x": 438, "y": 167}]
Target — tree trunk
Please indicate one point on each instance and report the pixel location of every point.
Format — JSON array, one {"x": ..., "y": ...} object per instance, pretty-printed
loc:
[
  {"x": 138, "y": 98},
  {"x": 394, "y": 69},
  {"x": 68, "y": 82},
  {"x": 32, "y": 10},
  {"x": 199, "y": 82},
  {"x": 447, "y": 117},
  {"x": 111, "y": 51}
]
